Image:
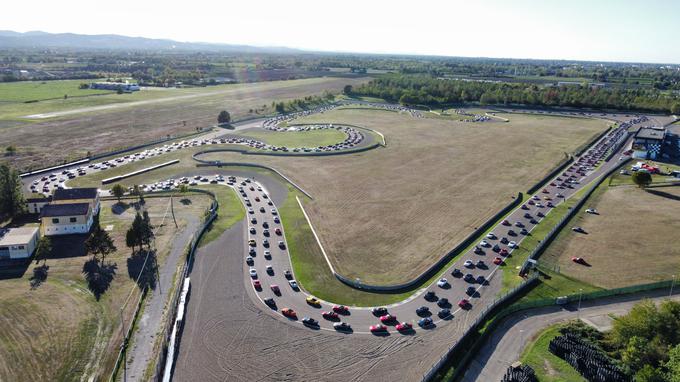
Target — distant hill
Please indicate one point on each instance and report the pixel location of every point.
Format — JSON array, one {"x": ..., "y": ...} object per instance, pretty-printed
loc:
[{"x": 37, "y": 39}]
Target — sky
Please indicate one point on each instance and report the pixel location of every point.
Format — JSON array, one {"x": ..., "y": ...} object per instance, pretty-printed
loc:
[{"x": 596, "y": 30}]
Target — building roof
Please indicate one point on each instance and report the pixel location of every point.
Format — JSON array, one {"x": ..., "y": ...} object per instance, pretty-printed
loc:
[
  {"x": 17, "y": 236},
  {"x": 66, "y": 209},
  {"x": 651, "y": 133},
  {"x": 75, "y": 193}
]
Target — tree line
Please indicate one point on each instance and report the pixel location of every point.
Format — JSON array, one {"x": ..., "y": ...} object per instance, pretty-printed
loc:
[{"x": 432, "y": 91}]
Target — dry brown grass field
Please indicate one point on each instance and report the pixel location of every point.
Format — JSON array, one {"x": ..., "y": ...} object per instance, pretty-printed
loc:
[
  {"x": 385, "y": 215},
  {"x": 59, "y": 330},
  {"x": 634, "y": 239},
  {"x": 51, "y": 141}
]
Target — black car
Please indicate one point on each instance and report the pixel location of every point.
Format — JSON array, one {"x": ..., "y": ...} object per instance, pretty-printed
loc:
[
  {"x": 270, "y": 302},
  {"x": 265, "y": 225},
  {"x": 527, "y": 215},
  {"x": 512, "y": 233},
  {"x": 480, "y": 264},
  {"x": 524, "y": 231},
  {"x": 444, "y": 313},
  {"x": 430, "y": 296},
  {"x": 480, "y": 279},
  {"x": 425, "y": 322},
  {"x": 504, "y": 240},
  {"x": 443, "y": 302},
  {"x": 456, "y": 273},
  {"x": 379, "y": 311},
  {"x": 423, "y": 311},
  {"x": 470, "y": 291},
  {"x": 288, "y": 274},
  {"x": 469, "y": 278}
]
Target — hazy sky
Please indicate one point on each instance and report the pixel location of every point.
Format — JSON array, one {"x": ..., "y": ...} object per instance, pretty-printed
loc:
[{"x": 623, "y": 30}]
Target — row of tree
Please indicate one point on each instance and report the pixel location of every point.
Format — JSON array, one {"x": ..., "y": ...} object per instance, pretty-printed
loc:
[
  {"x": 431, "y": 91},
  {"x": 12, "y": 202}
]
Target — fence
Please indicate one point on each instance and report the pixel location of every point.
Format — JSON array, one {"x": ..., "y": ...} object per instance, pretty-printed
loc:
[
  {"x": 565, "y": 162},
  {"x": 436, "y": 267},
  {"x": 570, "y": 214},
  {"x": 166, "y": 326}
]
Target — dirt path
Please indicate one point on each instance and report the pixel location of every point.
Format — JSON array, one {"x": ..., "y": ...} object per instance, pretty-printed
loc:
[
  {"x": 514, "y": 333},
  {"x": 149, "y": 323}
]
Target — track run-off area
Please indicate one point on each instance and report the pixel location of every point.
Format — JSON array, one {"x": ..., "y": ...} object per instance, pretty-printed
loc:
[{"x": 259, "y": 246}]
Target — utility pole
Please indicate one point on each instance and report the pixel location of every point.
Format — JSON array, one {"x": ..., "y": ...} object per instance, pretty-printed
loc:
[{"x": 580, "y": 294}]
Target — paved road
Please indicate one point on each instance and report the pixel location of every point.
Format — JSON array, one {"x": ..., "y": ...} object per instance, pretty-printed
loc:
[{"x": 516, "y": 331}]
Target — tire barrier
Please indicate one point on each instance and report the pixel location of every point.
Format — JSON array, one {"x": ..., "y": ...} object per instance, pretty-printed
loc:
[
  {"x": 436, "y": 267},
  {"x": 589, "y": 361},
  {"x": 523, "y": 373}
]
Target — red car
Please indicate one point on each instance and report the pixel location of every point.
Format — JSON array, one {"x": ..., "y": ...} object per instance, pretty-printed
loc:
[
  {"x": 377, "y": 328},
  {"x": 388, "y": 318},
  {"x": 545, "y": 191},
  {"x": 257, "y": 285},
  {"x": 290, "y": 313},
  {"x": 552, "y": 184},
  {"x": 340, "y": 309},
  {"x": 498, "y": 261},
  {"x": 404, "y": 326},
  {"x": 464, "y": 303},
  {"x": 278, "y": 231},
  {"x": 578, "y": 260},
  {"x": 275, "y": 289},
  {"x": 503, "y": 252},
  {"x": 257, "y": 198},
  {"x": 330, "y": 315},
  {"x": 505, "y": 222}
]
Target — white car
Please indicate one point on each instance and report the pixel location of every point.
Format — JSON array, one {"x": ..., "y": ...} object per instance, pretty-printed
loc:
[
  {"x": 442, "y": 283},
  {"x": 293, "y": 284},
  {"x": 591, "y": 211},
  {"x": 274, "y": 211},
  {"x": 267, "y": 255},
  {"x": 469, "y": 264},
  {"x": 253, "y": 273},
  {"x": 491, "y": 236},
  {"x": 484, "y": 243},
  {"x": 512, "y": 244}
]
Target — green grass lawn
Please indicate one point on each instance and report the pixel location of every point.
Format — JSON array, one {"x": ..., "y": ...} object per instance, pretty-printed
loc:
[
  {"x": 312, "y": 138},
  {"x": 618, "y": 179},
  {"x": 22, "y": 91},
  {"x": 231, "y": 210},
  {"x": 548, "y": 367}
]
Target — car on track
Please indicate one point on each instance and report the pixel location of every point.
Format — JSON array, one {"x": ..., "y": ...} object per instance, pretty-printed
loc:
[
  {"x": 403, "y": 326},
  {"x": 277, "y": 220},
  {"x": 252, "y": 230},
  {"x": 341, "y": 309},
  {"x": 511, "y": 232},
  {"x": 269, "y": 269},
  {"x": 480, "y": 279},
  {"x": 290, "y": 313},
  {"x": 307, "y": 321},
  {"x": 265, "y": 225},
  {"x": 519, "y": 224},
  {"x": 484, "y": 243},
  {"x": 512, "y": 244},
  {"x": 265, "y": 243},
  {"x": 293, "y": 284},
  {"x": 444, "y": 313},
  {"x": 498, "y": 261},
  {"x": 277, "y": 231},
  {"x": 430, "y": 296},
  {"x": 524, "y": 231},
  {"x": 273, "y": 211},
  {"x": 330, "y": 316},
  {"x": 252, "y": 242},
  {"x": 470, "y": 291},
  {"x": 257, "y": 198},
  {"x": 550, "y": 205},
  {"x": 377, "y": 328},
  {"x": 288, "y": 274},
  {"x": 313, "y": 301},
  {"x": 525, "y": 207},
  {"x": 249, "y": 260},
  {"x": 379, "y": 311},
  {"x": 257, "y": 285},
  {"x": 253, "y": 220},
  {"x": 425, "y": 322},
  {"x": 443, "y": 302},
  {"x": 250, "y": 210},
  {"x": 504, "y": 240},
  {"x": 388, "y": 318},
  {"x": 282, "y": 245},
  {"x": 469, "y": 278},
  {"x": 506, "y": 222},
  {"x": 503, "y": 252},
  {"x": 528, "y": 216},
  {"x": 275, "y": 288},
  {"x": 252, "y": 188},
  {"x": 423, "y": 311},
  {"x": 342, "y": 326},
  {"x": 442, "y": 283},
  {"x": 253, "y": 273},
  {"x": 267, "y": 255},
  {"x": 265, "y": 232},
  {"x": 480, "y": 264},
  {"x": 469, "y": 264},
  {"x": 270, "y": 302},
  {"x": 545, "y": 191},
  {"x": 262, "y": 209},
  {"x": 464, "y": 304},
  {"x": 456, "y": 272},
  {"x": 491, "y": 236}
]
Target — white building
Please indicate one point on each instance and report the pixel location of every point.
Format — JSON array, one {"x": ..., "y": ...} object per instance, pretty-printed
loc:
[
  {"x": 18, "y": 243},
  {"x": 66, "y": 219}
]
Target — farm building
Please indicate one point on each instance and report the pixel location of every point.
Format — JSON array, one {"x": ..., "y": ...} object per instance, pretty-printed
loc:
[
  {"x": 78, "y": 195},
  {"x": 18, "y": 243},
  {"x": 35, "y": 205},
  {"x": 647, "y": 142},
  {"x": 71, "y": 211}
]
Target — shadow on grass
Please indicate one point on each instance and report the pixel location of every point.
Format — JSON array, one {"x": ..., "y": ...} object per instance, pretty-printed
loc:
[
  {"x": 64, "y": 246},
  {"x": 99, "y": 276},
  {"x": 663, "y": 194},
  {"x": 39, "y": 275},
  {"x": 143, "y": 274},
  {"x": 13, "y": 269},
  {"x": 120, "y": 207},
  {"x": 185, "y": 201}
]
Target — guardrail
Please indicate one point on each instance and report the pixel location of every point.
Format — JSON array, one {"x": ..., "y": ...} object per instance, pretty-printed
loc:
[
  {"x": 585, "y": 147},
  {"x": 142, "y": 171},
  {"x": 560, "y": 225},
  {"x": 473, "y": 344},
  {"x": 560, "y": 167},
  {"x": 436, "y": 267}
]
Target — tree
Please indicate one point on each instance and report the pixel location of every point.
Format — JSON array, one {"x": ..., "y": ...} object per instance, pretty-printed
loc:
[
  {"x": 347, "y": 90},
  {"x": 675, "y": 109},
  {"x": 131, "y": 239},
  {"x": 183, "y": 188},
  {"x": 223, "y": 117},
  {"x": 146, "y": 230},
  {"x": 118, "y": 191},
  {"x": 673, "y": 364},
  {"x": 44, "y": 249},
  {"x": 642, "y": 178},
  {"x": 12, "y": 201},
  {"x": 99, "y": 243},
  {"x": 649, "y": 374}
]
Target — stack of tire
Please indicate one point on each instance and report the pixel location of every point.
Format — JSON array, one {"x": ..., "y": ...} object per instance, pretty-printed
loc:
[
  {"x": 590, "y": 362},
  {"x": 523, "y": 373}
]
